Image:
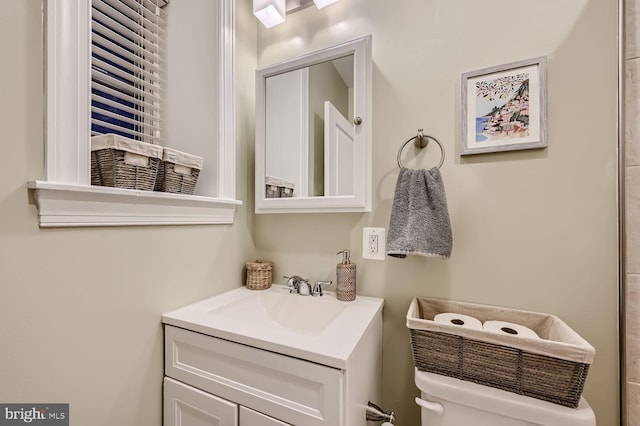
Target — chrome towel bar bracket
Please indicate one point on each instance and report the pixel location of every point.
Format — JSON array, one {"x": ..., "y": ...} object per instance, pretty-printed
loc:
[{"x": 421, "y": 141}]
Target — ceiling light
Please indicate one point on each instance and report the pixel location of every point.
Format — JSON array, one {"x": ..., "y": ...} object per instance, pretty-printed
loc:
[
  {"x": 269, "y": 12},
  {"x": 322, "y": 3}
]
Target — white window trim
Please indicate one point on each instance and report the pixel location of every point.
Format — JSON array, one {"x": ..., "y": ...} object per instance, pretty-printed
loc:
[{"x": 65, "y": 197}]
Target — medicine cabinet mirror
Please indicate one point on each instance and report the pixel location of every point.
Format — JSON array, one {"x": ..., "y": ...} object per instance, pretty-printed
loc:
[{"x": 313, "y": 132}]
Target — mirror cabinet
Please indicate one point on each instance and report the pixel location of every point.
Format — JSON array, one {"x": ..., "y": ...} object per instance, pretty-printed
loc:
[{"x": 313, "y": 132}]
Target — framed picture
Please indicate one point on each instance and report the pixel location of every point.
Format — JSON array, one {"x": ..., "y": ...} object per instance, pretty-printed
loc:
[{"x": 504, "y": 108}]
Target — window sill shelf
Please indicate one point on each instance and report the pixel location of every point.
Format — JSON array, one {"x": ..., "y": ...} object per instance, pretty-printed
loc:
[{"x": 62, "y": 205}]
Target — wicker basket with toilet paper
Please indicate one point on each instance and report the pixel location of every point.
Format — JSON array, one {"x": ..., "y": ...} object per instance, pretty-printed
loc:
[{"x": 528, "y": 353}]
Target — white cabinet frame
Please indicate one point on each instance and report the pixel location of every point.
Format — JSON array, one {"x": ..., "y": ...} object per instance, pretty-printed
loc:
[{"x": 361, "y": 200}]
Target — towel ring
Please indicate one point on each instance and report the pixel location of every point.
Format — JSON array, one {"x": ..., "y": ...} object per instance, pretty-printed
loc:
[{"x": 421, "y": 141}]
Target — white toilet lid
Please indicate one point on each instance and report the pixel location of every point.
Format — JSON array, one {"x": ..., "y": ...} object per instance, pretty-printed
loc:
[{"x": 508, "y": 404}]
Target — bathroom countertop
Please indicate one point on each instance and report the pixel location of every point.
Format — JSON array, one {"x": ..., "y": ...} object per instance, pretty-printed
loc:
[{"x": 318, "y": 329}]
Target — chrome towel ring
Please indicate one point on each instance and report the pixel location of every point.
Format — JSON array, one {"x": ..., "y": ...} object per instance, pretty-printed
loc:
[{"x": 421, "y": 141}]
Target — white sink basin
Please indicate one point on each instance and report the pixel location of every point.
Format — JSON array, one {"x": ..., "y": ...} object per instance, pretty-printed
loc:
[
  {"x": 319, "y": 329},
  {"x": 304, "y": 314}
]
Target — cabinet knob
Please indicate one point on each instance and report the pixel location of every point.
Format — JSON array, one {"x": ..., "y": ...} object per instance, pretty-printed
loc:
[{"x": 357, "y": 121}]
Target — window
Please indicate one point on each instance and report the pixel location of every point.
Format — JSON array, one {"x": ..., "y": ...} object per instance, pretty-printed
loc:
[
  {"x": 76, "y": 106},
  {"x": 127, "y": 63}
]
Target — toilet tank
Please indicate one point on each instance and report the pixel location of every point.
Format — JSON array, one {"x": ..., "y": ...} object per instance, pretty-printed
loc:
[{"x": 446, "y": 401}]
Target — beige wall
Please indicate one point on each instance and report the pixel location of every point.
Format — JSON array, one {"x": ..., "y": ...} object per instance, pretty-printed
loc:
[
  {"x": 535, "y": 230},
  {"x": 80, "y": 308}
]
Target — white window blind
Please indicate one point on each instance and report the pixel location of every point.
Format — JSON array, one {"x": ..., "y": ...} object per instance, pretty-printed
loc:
[{"x": 127, "y": 68}]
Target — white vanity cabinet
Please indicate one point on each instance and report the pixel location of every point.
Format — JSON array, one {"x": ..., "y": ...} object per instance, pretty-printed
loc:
[
  {"x": 188, "y": 406},
  {"x": 253, "y": 418},
  {"x": 294, "y": 390},
  {"x": 219, "y": 373}
]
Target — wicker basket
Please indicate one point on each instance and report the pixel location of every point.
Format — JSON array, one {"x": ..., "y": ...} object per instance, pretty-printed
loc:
[
  {"x": 278, "y": 188},
  {"x": 259, "y": 274},
  {"x": 178, "y": 172},
  {"x": 95, "y": 171},
  {"x": 553, "y": 368},
  {"x": 120, "y": 162}
]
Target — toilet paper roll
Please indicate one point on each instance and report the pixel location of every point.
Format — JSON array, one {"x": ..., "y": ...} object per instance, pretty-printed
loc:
[
  {"x": 460, "y": 320},
  {"x": 509, "y": 328}
]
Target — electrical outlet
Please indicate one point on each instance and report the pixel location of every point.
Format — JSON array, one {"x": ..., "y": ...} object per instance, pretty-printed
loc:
[{"x": 373, "y": 243}]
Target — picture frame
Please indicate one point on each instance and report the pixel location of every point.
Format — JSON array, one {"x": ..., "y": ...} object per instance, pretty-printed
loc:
[{"x": 504, "y": 108}]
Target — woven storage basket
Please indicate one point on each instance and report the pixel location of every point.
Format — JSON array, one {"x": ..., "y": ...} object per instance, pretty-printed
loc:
[
  {"x": 178, "y": 172},
  {"x": 95, "y": 172},
  {"x": 259, "y": 274},
  {"x": 121, "y": 162},
  {"x": 278, "y": 188},
  {"x": 553, "y": 368}
]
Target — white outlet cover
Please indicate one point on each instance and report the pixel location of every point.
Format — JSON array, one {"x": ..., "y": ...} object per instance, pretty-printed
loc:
[{"x": 380, "y": 254}]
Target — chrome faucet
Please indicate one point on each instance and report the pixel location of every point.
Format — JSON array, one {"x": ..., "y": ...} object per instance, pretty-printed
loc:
[
  {"x": 301, "y": 286},
  {"x": 298, "y": 285},
  {"x": 317, "y": 287}
]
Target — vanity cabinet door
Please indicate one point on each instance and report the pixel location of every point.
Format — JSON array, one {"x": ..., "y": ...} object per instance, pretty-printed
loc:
[
  {"x": 188, "y": 406},
  {"x": 299, "y": 392},
  {"x": 248, "y": 417}
]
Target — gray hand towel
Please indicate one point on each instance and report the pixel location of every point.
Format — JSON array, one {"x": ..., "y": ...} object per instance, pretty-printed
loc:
[{"x": 419, "y": 221}]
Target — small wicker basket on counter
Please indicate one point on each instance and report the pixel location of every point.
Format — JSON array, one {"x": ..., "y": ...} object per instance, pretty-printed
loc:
[{"x": 259, "y": 274}]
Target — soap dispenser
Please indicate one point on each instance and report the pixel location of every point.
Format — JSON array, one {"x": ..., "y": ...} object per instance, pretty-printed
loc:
[{"x": 346, "y": 278}]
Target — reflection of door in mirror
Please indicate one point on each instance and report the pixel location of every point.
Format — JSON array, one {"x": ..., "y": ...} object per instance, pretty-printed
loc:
[
  {"x": 339, "y": 151},
  {"x": 295, "y": 124},
  {"x": 328, "y": 82}
]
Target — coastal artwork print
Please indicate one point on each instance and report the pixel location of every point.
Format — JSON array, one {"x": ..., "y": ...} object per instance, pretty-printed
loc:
[{"x": 504, "y": 108}]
